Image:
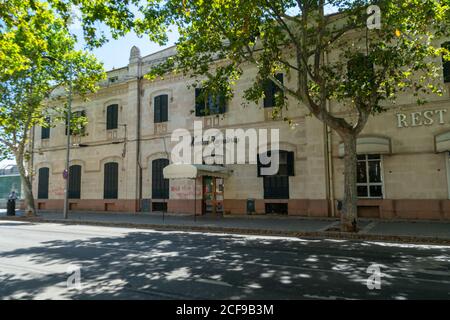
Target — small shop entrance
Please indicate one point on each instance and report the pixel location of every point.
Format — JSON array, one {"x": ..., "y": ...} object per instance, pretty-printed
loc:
[{"x": 212, "y": 195}]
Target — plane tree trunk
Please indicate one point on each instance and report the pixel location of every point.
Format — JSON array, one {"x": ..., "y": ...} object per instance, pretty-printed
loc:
[
  {"x": 349, "y": 212},
  {"x": 25, "y": 178}
]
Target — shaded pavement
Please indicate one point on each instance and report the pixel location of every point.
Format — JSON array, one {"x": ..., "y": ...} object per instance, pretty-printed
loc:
[{"x": 123, "y": 263}]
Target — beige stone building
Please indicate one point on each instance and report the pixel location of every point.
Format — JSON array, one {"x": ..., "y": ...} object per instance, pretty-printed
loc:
[{"x": 403, "y": 166}]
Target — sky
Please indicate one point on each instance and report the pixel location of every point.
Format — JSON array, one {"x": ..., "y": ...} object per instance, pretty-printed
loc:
[{"x": 115, "y": 53}]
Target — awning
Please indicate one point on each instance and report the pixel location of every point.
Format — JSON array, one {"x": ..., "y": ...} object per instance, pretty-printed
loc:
[
  {"x": 192, "y": 171},
  {"x": 369, "y": 145},
  {"x": 442, "y": 142}
]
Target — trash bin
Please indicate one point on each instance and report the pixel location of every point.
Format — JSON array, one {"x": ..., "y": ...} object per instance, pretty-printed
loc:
[
  {"x": 146, "y": 205},
  {"x": 11, "y": 208},
  {"x": 250, "y": 206}
]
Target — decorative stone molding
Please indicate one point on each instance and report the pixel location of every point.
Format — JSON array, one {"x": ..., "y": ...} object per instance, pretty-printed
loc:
[
  {"x": 369, "y": 145},
  {"x": 442, "y": 142}
]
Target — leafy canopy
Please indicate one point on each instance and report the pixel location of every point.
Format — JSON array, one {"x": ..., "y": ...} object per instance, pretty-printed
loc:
[
  {"x": 296, "y": 37},
  {"x": 37, "y": 56}
]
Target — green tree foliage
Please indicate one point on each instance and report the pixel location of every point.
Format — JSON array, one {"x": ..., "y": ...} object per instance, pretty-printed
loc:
[{"x": 37, "y": 56}]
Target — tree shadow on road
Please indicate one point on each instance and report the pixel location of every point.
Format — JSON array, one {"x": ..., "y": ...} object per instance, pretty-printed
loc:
[{"x": 182, "y": 265}]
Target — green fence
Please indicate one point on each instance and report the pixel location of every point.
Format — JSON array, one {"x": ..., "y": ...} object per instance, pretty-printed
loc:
[{"x": 7, "y": 184}]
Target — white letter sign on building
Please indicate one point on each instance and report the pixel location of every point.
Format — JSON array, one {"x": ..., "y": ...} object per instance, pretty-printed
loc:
[
  {"x": 422, "y": 118},
  {"x": 374, "y": 19}
]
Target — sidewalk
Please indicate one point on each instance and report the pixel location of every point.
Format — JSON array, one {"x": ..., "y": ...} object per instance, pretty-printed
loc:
[{"x": 294, "y": 226}]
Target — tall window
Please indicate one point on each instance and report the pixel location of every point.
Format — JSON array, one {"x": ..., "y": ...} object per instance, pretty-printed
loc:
[
  {"x": 45, "y": 131},
  {"x": 271, "y": 91},
  {"x": 207, "y": 103},
  {"x": 277, "y": 186},
  {"x": 77, "y": 128},
  {"x": 112, "y": 116},
  {"x": 111, "y": 180},
  {"x": 160, "y": 186},
  {"x": 446, "y": 64},
  {"x": 369, "y": 178},
  {"x": 161, "y": 108},
  {"x": 75, "y": 182},
  {"x": 43, "y": 174}
]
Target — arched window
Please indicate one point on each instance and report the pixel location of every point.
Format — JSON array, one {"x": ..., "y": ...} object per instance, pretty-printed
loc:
[
  {"x": 207, "y": 103},
  {"x": 277, "y": 186},
  {"x": 112, "y": 116},
  {"x": 45, "y": 131},
  {"x": 77, "y": 127},
  {"x": 111, "y": 180},
  {"x": 43, "y": 176},
  {"x": 271, "y": 90},
  {"x": 161, "y": 106},
  {"x": 160, "y": 186},
  {"x": 75, "y": 182},
  {"x": 369, "y": 177}
]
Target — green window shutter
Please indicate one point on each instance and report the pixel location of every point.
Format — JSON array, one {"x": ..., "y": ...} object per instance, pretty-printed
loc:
[
  {"x": 75, "y": 182},
  {"x": 43, "y": 175},
  {"x": 160, "y": 186},
  {"x": 222, "y": 102},
  {"x": 276, "y": 187},
  {"x": 161, "y": 108},
  {"x": 111, "y": 180},
  {"x": 164, "y": 108},
  {"x": 112, "y": 115},
  {"x": 268, "y": 94},
  {"x": 290, "y": 164},
  {"x": 45, "y": 132},
  {"x": 199, "y": 102},
  {"x": 157, "y": 109},
  {"x": 270, "y": 91}
]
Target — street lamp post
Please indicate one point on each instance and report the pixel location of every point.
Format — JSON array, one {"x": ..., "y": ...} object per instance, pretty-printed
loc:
[
  {"x": 68, "y": 117},
  {"x": 69, "y": 114}
]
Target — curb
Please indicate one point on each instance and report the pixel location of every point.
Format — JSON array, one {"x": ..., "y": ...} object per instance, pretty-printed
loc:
[{"x": 245, "y": 231}]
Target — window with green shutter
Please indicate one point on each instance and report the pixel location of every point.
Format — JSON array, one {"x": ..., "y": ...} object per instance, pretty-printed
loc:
[
  {"x": 161, "y": 106},
  {"x": 160, "y": 186},
  {"x": 277, "y": 186},
  {"x": 207, "y": 103},
  {"x": 43, "y": 176},
  {"x": 76, "y": 128},
  {"x": 111, "y": 180},
  {"x": 112, "y": 116},
  {"x": 75, "y": 182},
  {"x": 271, "y": 90},
  {"x": 45, "y": 131}
]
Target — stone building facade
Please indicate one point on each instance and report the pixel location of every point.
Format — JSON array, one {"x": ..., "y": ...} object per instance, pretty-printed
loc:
[{"x": 403, "y": 162}]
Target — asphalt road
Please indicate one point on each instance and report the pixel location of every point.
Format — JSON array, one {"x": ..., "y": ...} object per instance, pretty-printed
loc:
[{"x": 119, "y": 263}]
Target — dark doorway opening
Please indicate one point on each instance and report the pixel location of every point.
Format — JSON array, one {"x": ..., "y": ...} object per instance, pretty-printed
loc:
[
  {"x": 276, "y": 208},
  {"x": 159, "y": 206}
]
